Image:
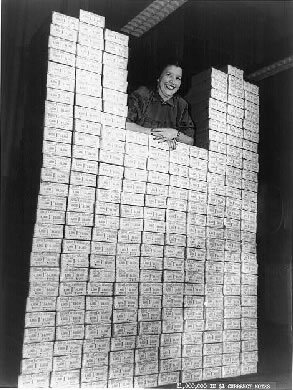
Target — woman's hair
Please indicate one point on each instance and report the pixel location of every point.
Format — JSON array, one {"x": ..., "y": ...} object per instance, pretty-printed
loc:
[{"x": 170, "y": 62}]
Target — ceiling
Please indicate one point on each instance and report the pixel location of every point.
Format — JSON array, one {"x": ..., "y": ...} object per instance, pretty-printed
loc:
[{"x": 251, "y": 32}]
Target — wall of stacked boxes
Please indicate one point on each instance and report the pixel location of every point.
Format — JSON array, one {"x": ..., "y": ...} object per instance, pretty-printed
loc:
[{"x": 143, "y": 268}]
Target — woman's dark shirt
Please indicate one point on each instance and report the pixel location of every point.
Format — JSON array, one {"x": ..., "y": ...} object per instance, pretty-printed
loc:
[{"x": 146, "y": 108}]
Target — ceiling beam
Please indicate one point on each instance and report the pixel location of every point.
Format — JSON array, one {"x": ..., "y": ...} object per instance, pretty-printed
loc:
[
  {"x": 270, "y": 70},
  {"x": 151, "y": 16}
]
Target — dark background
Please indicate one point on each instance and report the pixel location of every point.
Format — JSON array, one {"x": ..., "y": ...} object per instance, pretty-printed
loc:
[{"x": 246, "y": 34}]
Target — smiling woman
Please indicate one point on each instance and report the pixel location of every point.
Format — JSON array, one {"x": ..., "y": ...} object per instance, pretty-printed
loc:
[{"x": 159, "y": 111}]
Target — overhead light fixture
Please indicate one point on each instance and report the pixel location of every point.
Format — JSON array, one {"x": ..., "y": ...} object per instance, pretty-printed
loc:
[
  {"x": 272, "y": 69},
  {"x": 151, "y": 16}
]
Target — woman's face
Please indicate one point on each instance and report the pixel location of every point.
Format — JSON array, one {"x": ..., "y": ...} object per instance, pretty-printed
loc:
[{"x": 169, "y": 82}]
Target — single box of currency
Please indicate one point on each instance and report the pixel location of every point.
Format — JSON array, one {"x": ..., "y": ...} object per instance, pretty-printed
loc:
[
  {"x": 150, "y": 301},
  {"x": 116, "y": 48},
  {"x": 39, "y": 319},
  {"x": 83, "y": 126},
  {"x": 78, "y": 233},
  {"x": 69, "y": 332},
  {"x": 117, "y": 79},
  {"x": 112, "y": 120},
  {"x": 173, "y": 264},
  {"x": 144, "y": 341},
  {"x": 149, "y": 314},
  {"x": 91, "y": 18},
  {"x": 48, "y": 230},
  {"x": 46, "y": 244},
  {"x": 107, "y": 208},
  {"x": 98, "y": 316},
  {"x": 194, "y": 289},
  {"x": 70, "y": 303},
  {"x": 231, "y": 335},
  {"x": 63, "y": 363},
  {"x": 82, "y": 192},
  {"x": 96, "y": 345},
  {"x": 76, "y": 276},
  {"x": 36, "y": 365},
  {"x": 153, "y": 238},
  {"x": 166, "y": 378},
  {"x": 116, "y": 37},
  {"x": 102, "y": 275},
  {"x": 116, "y": 109},
  {"x": 107, "y": 235},
  {"x": 131, "y": 237},
  {"x": 115, "y": 60},
  {"x": 57, "y": 135},
  {"x": 122, "y": 357},
  {"x": 173, "y": 288},
  {"x": 70, "y": 317},
  {"x": 72, "y": 288},
  {"x": 232, "y": 323},
  {"x": 193, "y": 313},
  {"x": 90, "y": 374},
  {"x": 151, "y": 263},
  {"x": 172, "y": 326},
  {"x": 94, "y": 359},
  {"x": 172, "y": 314},
  {"x": 50, "y": 289},
  {"x": 35, "y": 350},
  {"x": 102, "y": 303},
  {"x": 61, "y": 56},
  {"x": 34, "y": 380},
  {"x": 132, "y": 199},
  {"x": 39, "y": 334},
  {"x": 64, "y": 20},
  {"x": 83, "y": 179},
  {"x": 122, "y": 343},
  {"x": 60, "y": 96},
  {"x": 170, "y": 352},
  {"x": 172, "y": 300},
  {"x": 62, "y": 45},
  {"x": 88, "y": 64},
  {"x": 76, "y": 246},
  {"x": 57, "y": 121},
  {"x": 94, "y": 331},
  {"x": 79, "y": 219},
  {"x": 134, "y": 186},
  {"x": 102, "y": 261},
  {"x": 192, "y": 338}
]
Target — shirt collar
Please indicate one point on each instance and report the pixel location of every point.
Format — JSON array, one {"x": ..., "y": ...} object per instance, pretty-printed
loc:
[{"x": 157, "y": 97}]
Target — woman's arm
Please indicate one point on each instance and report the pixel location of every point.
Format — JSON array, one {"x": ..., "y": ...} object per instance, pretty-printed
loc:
[
  {"x": 168, "y": 134},
  {"x": 185, "y": 139},
  {"x": 139, "y": 129}
]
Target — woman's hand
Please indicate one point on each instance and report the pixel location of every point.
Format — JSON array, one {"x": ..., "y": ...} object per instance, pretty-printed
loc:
[
  {"x": 165, "y": 133},
  {"x": 172, "y": 144}
]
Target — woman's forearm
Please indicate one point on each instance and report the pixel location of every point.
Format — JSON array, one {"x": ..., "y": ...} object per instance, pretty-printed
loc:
[
  {"x": 147, "y": 130},
  {"x": 139, "y": 129},
  {"x": 185, "y": 139}
]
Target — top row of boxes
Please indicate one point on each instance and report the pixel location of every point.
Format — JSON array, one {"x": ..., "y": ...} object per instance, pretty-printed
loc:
[{"x": 88, "y": 24}]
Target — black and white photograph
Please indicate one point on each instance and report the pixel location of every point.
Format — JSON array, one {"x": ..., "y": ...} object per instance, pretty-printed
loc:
[{"x": 146, "y": 194}]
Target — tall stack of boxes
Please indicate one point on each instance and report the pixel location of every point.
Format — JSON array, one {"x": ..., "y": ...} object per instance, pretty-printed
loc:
[
  {"x": 228, "y": 127},
  {"x": 44, "y": 286},
  {"x": 80, "y": 212},
  {"x": 114, "y": 252},
  {"x": 232, "y": 265},
  {"x": 143, "y": 263},
  {"x": 248, "y": 230}
]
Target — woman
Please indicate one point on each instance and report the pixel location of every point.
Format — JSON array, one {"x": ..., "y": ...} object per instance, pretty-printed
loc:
[{"x": 160, "y": 112}]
